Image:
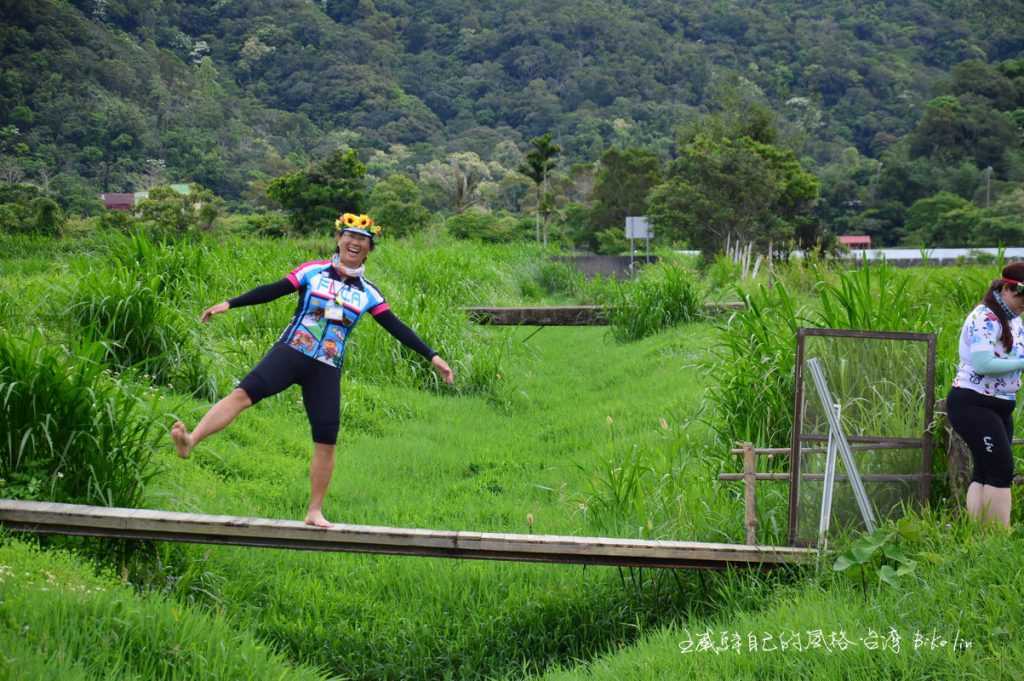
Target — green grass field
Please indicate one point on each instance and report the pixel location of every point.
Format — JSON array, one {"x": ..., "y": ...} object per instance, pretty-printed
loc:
[{"x": 569, "y": 428}]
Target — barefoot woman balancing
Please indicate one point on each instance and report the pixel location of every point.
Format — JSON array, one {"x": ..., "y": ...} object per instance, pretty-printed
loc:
[
  {"x": 980, "y": 404},
  {"x": 333, "y": 296}
]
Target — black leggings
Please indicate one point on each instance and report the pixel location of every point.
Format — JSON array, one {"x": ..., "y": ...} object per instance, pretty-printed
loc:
[
  {"x": 284, "y": 366},
  {"x": 986, "y": 425}
]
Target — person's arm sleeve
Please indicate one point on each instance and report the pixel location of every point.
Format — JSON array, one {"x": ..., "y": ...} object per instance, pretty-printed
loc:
[
  {"x": 263, "y": 294},
  {"x": 399, "y": 330},
  {"x": 986, "y": 363},
  {"x": 984, "y": 335}
]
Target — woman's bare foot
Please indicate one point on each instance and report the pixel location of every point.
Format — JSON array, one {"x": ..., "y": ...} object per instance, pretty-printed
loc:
[
  {"x": 182, "y": 439},
  {"x": 317, "y": 519}
]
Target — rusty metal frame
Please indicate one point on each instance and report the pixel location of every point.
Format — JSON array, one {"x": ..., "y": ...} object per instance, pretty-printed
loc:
[{"x": 924, "y": 442}]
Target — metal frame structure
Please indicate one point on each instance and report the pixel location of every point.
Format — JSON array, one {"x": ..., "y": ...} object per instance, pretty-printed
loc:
[{"x": 924, "y": 442}]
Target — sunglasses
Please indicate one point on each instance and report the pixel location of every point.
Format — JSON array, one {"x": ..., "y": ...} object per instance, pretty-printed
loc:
[{"x": 1016, "y": 286}]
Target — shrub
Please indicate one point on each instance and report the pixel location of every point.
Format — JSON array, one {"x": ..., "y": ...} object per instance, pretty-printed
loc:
[
  {"x": 128, "y": 308},
  {"x": 25, "y": 210},
  {"x": 70, "y": 433},
  {"x": 396, "y": 204},
  {"x": 115, "y": 220},
  {"x": 47, "y": 217},
  {"x": 484, "y": 226},
  {"x": 175, "y": 214},
  {"x": 270, "y": 224},
  {"x": 723, "y": 272},
  {"x": 559, "y": 278},
  {"x": 662, "y": 296}
]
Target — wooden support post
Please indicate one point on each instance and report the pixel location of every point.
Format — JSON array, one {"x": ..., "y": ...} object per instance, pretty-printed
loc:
[
  {"x": 959, "y": 465},
  {"x": 749, "y": 495}
]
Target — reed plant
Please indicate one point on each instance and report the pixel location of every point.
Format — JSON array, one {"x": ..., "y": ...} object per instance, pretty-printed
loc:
[
  {"x": 752, "y": 363},
  {"x": 70, "y": 433},
  {"x": 874, "y": 297},
  {"x": 754, "y": 396},
  {"x": 665, "y": 294},
  {"x": 139, "y": 330}
]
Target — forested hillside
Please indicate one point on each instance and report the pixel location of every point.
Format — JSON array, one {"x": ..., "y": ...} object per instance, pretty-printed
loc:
[{"x": 886, "y": 103}]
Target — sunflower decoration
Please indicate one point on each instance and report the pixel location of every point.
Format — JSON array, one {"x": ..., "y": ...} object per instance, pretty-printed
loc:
[{"x": 362, "y": 224}]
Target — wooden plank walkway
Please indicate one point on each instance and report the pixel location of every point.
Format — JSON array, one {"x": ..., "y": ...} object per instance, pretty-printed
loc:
[
  {"x": 565, "y": 315},
  {"x": 127, "y": 523}
]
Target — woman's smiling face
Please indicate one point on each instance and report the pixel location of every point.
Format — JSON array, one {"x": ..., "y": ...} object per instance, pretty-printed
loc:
[{"x": 353, "y": 249}]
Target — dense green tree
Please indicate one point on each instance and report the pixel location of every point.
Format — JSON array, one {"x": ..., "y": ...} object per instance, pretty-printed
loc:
[
  {"x": 456, "y": 180},
  {"x": 175, "y": 213},
  {"x": 316, "y": 196},
  {"x": 395, "y": 203},
  {"x": 47, "y": 216},
  {"x": 483, "y": 225},
  {"x": 723, "y": 187},
  {"x": 924, "y": 225},
  {"x": 19, "y": 208},
  {"x": 624, "y": 178},
  {"x": 954, "y": 128},
  {"x": 232, "y": 95}
]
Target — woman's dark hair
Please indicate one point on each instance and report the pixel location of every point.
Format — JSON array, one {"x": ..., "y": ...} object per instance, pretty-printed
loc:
[{"x": 1015, "y": 271}]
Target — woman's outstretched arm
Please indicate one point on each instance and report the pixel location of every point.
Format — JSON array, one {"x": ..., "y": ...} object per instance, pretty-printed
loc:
[
  {"x": 409, "y": 339},
  {"x": 260, "y": 294}
]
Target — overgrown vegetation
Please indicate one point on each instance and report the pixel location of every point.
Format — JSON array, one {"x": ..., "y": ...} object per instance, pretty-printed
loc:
[
  {"x": 570, "y": 431},
  {"x": 70, "y": 432},
  {"x": 662, "y": 296}
]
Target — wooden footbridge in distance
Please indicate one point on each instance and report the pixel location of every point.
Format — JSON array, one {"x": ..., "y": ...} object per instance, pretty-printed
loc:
[{"x": 127, "y": 523}]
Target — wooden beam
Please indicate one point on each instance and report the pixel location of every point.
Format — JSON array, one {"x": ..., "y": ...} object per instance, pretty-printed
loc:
[
  {"x": 568, "y": 315},
  {"x": 749, "y": 493},
  {"x": 785, "y": 477},
  {"x": 565, "y": 315},
  {"x": 126, "y": 523},
  {"x": 772, "y": 451}
]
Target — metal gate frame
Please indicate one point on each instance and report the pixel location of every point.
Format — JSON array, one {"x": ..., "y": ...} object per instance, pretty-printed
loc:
[{"x": 924, "y": 441}]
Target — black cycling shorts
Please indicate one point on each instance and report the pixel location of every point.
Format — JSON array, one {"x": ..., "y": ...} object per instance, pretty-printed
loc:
[
  {"x": 986, "y": 425},
  {"x": 284, "y": 366}
]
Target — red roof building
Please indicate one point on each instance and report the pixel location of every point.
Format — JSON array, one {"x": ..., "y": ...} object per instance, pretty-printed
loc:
[
  {"x": 118, "y": 201},
  {"x": 855, "y": 241}
]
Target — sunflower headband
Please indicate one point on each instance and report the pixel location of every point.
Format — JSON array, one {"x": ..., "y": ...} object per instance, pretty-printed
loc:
[{"x": 360, "y": 224}]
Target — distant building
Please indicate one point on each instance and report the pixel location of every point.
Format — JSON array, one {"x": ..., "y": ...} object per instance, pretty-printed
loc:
[
  {"x": 118, "y": 201},
  {"x": 125, "y": 201},
  {"x": 852, "y": 241}
]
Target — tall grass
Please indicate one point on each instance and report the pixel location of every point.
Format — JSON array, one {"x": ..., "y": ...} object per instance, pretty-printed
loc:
[
  {"x": 138, "y": 329},
  {"x": 754, "y": 365},
  {"x": 69, "y": 433},
  {"x": 961, "y": 590},
  {"x": 130, "y": 305},
  {"x": 873, "y": 298},
  {"x": 662, "y": 296},
  {"x": 58, "y": 620}
]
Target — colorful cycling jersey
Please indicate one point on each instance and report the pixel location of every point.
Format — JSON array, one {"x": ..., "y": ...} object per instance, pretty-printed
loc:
[{"x": 330, "y": 305}]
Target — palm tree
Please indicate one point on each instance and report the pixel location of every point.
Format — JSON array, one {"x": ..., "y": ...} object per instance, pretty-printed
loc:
[{"x": 540, "y": 161}]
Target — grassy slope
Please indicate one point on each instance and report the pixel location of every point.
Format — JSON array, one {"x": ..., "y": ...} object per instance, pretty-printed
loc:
[
  {"x": 576, "y": 441},
  {"x": 453, "y": 462},
  {"x": 966, "y": 589},
  {"x": 59, "y": 620}
]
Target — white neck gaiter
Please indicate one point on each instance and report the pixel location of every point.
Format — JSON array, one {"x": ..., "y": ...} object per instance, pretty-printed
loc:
[{"x": 348, "y": 272}]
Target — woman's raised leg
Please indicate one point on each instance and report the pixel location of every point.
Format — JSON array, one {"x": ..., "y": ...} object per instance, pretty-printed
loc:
[{"x": 219, "y": 416}]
